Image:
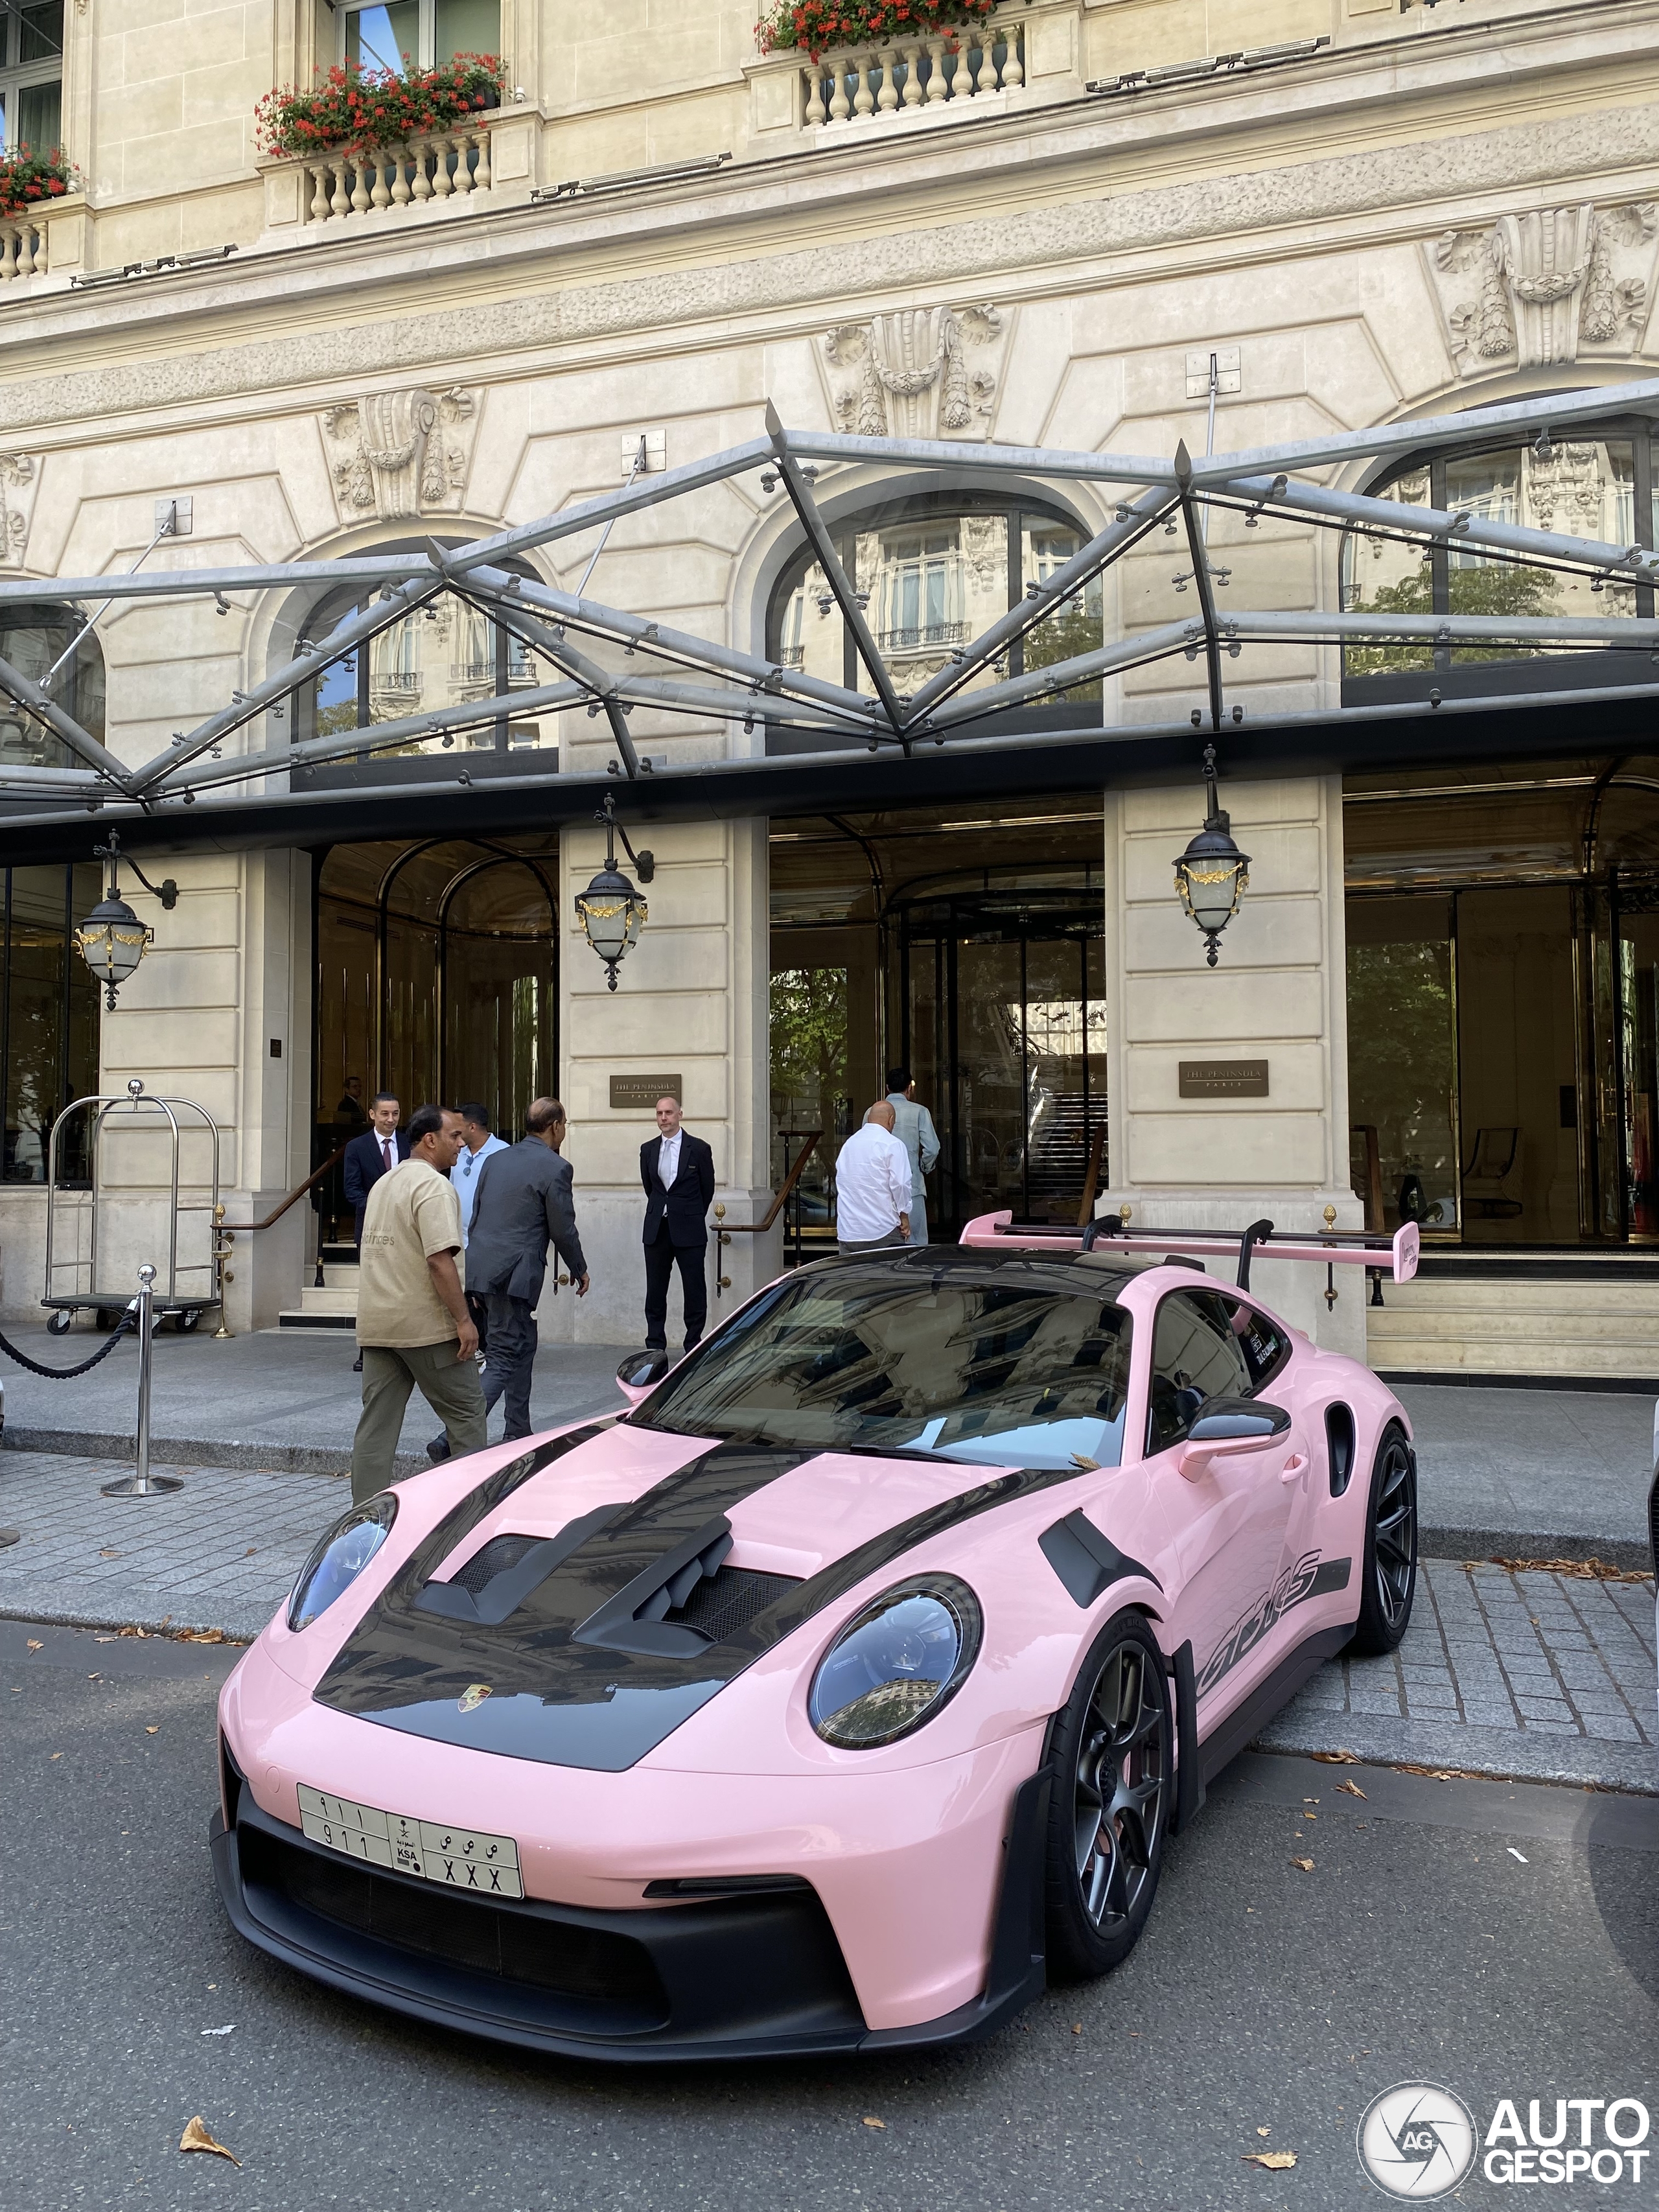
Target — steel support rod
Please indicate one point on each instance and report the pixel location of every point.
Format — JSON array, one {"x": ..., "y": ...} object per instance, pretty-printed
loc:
[
  {"x": 1083, "y": 668},
  {"x": 380, "y": 614},
  {"x": 1587, "y": 630},
  {"x": 823, "y": 546},
  {"x": 1452, "y": 527},
  {"x": 1203, "y": 581},
  {"x": 1473, "y": 428},
  {"x": 27, "y": 693},
  {"x": 959, "y": 454},
  {"x": 619, "y": 721},
  {"x": 202, "y": 583},
  {"x": 1100, "y": 551}
]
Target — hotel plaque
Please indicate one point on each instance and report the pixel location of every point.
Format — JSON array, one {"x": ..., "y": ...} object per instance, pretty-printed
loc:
[
  {"x": 1223, "y": 1079},
  {"x": 638, "y": 1094}
]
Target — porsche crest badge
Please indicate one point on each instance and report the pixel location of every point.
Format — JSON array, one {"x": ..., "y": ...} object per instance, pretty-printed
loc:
[{"x": 474, "y": 1696}]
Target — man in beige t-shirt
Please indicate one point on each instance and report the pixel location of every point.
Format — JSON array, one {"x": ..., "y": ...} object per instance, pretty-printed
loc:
[{"x": 413, "y": 1328}]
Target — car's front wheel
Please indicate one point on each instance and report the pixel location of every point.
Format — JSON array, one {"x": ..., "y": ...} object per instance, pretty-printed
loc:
[
  {"x": 1388, "y": 1581},
  {"x": 1112, "y": 1759}
]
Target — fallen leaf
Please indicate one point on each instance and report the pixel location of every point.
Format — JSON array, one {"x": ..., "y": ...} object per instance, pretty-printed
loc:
[
  {"x": 196, "y": 2137},
  {"x": 1077, "y": 2027},
  {"x": 201, "y": 1636},
  {"x": 109, "y": 1555},
  {"x": 874, "y": 2123},
  {"x": 1264, "y": 2132},
  {"x": 156, "y": 1731},
  {"x": 1352, "y": 1788},
  {"x": 1275, "y": 2160},
  {"x": 250, "y": 1550},
  {"x": 35, "y": 1644},
  {"x": 1583, "y": 1571},
  {"x": 57, "y": 1754},
  {"x": 1443, "y": 1774},
  {"x": 1336, "y": 1758},
  {"x": 1306, "y": 1865}
]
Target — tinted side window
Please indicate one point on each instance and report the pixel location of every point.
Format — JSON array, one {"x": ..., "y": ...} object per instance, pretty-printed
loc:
[
  {"x": 1195, "y": 1357},
  {"x": 1265, "y": 1346}
]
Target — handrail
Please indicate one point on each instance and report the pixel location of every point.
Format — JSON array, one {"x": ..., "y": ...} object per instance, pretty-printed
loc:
[
  {"x": 298, "y": 1192},
  {"x": 754, "y": 1228}
]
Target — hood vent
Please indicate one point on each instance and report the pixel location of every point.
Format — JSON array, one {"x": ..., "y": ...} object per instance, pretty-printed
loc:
[
  {"x": 726, "y": 1601},
  {"x": 635, "y": 1619}
]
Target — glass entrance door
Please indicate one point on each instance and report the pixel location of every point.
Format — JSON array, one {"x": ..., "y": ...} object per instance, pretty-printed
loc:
[{"x": 1004, "y": 1000}]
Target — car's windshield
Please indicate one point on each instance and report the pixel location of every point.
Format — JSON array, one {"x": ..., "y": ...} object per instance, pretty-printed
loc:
[{"x": 1004, "y": 1370}]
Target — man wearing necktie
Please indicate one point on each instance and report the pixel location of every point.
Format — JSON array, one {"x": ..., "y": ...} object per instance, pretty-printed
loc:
[
  {"x": 677, "y": 1171},
  {"x": 374, "y": 1154}
]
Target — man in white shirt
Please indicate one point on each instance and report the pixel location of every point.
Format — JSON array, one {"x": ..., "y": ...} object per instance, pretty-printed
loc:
[
  {"x": 873, "y": 1186},
  {"x": 476, "y": 1145}
]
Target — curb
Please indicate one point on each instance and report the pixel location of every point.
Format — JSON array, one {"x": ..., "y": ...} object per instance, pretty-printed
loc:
[
  {"x": 1630, "y": 1553},
  {"x": 1501, "y": 1754},
  {"x": 198, "y": 1451}
]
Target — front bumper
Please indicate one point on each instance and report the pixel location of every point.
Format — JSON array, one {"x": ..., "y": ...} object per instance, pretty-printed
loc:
[{"x": 756, "y": 1974}]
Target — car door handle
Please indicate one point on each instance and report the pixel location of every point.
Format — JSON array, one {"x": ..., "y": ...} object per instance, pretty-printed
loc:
[{"x": 1294, "y": 1467}]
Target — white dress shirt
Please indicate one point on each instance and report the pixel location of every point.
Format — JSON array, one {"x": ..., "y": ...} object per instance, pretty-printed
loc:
[
  {"x": 668, "y": 1160},
  {"x": 872, "y": 1185},
  {"x": 464, "y": 1176}
]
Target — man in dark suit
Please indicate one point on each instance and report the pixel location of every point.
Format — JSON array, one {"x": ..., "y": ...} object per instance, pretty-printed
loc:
[
  {"x": 374, "y": 1154},
  {"x": 677, "y": 1171},
  {"x": 523, "y": 1205}
]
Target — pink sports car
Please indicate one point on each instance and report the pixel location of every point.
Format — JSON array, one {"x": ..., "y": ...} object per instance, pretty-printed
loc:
[{"x": 843, "y": 1686}]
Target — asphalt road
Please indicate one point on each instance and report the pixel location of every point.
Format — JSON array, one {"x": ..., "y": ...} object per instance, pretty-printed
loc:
[{"x": 1420, "y": 1947}]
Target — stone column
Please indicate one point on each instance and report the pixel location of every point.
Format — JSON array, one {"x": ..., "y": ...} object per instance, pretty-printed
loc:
[
  {"x": 227, "y": 978},
  {"x": 1278, "y": 994},
  {"x": 691, "y": 1001}
]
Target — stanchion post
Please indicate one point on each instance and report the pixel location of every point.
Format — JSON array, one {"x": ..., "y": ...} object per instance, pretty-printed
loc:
[{"x": 141, "y": 1483}]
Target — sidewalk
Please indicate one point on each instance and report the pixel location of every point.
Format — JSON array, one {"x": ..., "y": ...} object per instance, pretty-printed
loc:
[{"x": 1553, "y": 1474}]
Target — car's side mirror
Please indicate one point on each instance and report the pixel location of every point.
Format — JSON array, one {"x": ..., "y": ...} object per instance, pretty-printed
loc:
[
  {"x": 1227, "y": 1426},
  {"x": 640, "y": 1372}
]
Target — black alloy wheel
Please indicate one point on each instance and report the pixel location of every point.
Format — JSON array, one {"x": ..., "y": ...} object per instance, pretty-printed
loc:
[
  {"x": 1388, "y": 1572},
  {"x": 1112, "y": 1760}
]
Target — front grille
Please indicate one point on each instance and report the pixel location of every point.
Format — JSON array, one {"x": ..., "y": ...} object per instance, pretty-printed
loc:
[
  {"x": 500, "y": 1553},
  {"x": 728, "y": 1600},
  {"x": 592, "y": 1964}
]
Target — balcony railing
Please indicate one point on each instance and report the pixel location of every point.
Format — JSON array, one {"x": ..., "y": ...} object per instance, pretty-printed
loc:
[
  {"x": 922, "y": 637},
  {"x": 448, "y": 164},
  {"x": 914, "y": 73}
]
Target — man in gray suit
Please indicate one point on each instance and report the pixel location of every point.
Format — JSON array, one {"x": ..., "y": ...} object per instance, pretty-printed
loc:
[
  {"x": 913, "y": 1124},
  {"x": 523, "y": 1205}
]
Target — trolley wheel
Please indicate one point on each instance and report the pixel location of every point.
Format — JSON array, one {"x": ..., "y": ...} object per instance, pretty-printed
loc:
[
  {"x": 57, "y": 1324},
  {"x": 189, "y": 1321}
]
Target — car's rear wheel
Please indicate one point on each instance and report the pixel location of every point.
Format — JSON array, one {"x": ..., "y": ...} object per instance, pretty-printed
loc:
[
  {"x": 1112, "y": 1758},
  {"x": 1388, "y": 1576}
]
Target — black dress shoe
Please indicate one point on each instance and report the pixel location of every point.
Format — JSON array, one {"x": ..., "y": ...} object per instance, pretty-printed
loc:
[
  {"x": 357, "y": 1364},
  {"x": 438, "y": 1450}
]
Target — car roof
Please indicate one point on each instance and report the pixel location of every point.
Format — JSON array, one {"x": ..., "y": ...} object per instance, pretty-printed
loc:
[{"x": 1070, "y": 1272}]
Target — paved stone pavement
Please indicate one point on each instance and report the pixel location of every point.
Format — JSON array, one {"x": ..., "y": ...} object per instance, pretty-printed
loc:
[
  {"x": 1534, "y": 1675},
  {"x": 1549, "y": 1677}
]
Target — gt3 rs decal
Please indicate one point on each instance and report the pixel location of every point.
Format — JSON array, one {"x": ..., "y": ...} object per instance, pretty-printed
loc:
[{"x": 1309, "y": 1578}]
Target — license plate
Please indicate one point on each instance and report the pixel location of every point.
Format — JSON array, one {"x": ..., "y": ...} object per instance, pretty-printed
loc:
[{"x": 456, "y": 1858}]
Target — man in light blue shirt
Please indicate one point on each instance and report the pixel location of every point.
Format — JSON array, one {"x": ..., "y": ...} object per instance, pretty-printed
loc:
[
  {"x": 476, "y": 1149},
  {"x": 913, "y": 1124}
]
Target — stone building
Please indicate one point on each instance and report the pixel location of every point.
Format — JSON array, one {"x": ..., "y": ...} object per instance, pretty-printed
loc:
[{"x": 1081, "y": 225}]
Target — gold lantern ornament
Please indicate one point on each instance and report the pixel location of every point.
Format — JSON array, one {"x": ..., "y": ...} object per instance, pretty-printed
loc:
[
  {"x": 611, "y": 910},
  {"x": 112, "y": 941},
  {"x": 1212, "y": 875}
]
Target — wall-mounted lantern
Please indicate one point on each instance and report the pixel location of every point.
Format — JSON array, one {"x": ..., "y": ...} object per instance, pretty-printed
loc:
[
  {"x": 1212, "y": 875},
  {"x": 112, "y": 941},
  {"x": 611, "y": 910}
]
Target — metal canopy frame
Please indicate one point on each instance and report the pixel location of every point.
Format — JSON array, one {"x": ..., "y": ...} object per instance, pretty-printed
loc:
[{"x": 708, "y": 682}]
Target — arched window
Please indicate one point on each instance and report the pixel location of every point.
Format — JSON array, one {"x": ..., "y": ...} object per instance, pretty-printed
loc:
[
  {"x": 930, "y": 575},
  {"x": 1595, "y": 480},
  {"x": 446, "y": 654},
  {"x": 54, "y": 646}
]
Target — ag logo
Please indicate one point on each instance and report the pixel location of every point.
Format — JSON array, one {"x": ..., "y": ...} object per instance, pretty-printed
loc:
[
  {"x": 1416, "y": 2141},
  {"x": 472, "y": 1697}
]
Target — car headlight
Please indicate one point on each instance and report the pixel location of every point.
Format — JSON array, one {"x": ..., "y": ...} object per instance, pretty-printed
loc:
[
  {"x": 340, "y": 1558},
  {"x": 895, "y": 1664}
]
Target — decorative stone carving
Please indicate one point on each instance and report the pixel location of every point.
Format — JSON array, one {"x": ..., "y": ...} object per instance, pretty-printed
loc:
[
  {"x": 918, "y": 373},
  {"x": 17, "y": 482},
  {"x": 1547, "y": 287},
  {"x": 406, "y": 453}
]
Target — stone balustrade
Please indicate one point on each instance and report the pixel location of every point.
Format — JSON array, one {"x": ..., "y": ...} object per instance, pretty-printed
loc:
[
  {"x": 22, "y": 247},
  {"x": 872, "y": 83},
  {"x": 445, "y": 166}
]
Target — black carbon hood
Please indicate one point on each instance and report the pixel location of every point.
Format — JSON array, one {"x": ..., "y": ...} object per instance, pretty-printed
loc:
[{"x": 589, "y": 1648}]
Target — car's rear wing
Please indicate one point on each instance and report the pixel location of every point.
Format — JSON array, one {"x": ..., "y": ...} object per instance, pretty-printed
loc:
[{"x": 1335, "y": 1247}]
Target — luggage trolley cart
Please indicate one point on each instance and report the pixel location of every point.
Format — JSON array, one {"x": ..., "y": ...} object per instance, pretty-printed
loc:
[{"x": 186, "y": 1288}]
